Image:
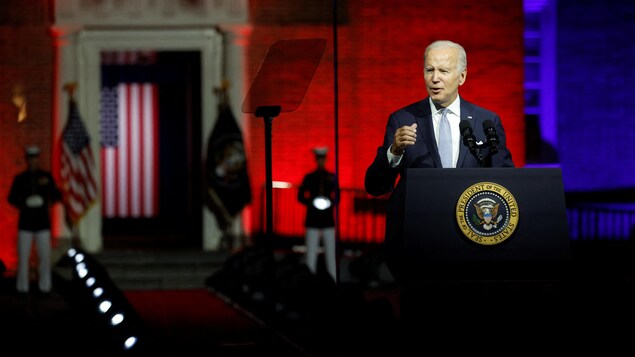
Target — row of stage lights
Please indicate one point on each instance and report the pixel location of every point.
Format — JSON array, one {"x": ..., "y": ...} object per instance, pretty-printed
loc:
[{"x": 98, "y": 295}]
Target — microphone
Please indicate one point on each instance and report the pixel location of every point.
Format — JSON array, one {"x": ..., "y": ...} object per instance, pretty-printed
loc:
[
  {"x": 469, "y": 139},
  {"x": 492, "y": 137}
]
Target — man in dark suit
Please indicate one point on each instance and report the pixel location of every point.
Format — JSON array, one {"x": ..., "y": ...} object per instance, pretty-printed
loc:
[{"x": 411, "y": 141}]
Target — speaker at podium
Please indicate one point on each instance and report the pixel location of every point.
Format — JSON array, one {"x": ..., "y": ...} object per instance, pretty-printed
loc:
[{"x": 486, "y": 223}]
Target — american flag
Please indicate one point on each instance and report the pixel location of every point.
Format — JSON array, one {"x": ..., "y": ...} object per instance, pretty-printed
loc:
[
  {"x": 129, "y": 150},
  {"x": 77, "y": 167}
]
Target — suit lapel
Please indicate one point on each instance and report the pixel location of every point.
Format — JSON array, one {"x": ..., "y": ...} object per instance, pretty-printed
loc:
[{"x": 467, "y": 110}]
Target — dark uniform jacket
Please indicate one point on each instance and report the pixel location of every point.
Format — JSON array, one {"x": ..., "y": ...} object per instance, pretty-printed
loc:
[
  {"x": 29, "y": 183},
  {"x": 318, "y": 183}
]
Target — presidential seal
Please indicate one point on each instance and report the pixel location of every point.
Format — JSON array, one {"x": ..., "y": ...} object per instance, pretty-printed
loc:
[{"x": 487, "y": 213}]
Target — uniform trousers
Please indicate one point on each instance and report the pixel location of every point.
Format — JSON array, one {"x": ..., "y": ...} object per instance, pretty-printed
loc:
[
  {"x": 313, "y": 236},
  {"x": 43, "y": 246}
]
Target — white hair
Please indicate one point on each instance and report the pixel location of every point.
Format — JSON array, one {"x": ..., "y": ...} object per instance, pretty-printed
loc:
[{"x": 462, "y": 60}]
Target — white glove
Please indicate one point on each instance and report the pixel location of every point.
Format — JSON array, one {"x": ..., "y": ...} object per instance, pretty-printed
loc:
[
  {"x": 321, "y": 203},
  {"x": 34, "y": 201}
]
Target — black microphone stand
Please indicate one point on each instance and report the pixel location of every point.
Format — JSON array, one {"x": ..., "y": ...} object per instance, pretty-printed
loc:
[
  {"x": 476, "y": 148},
  {"x": 479, "y": 155},
  {"x": 478, "y": 152}
]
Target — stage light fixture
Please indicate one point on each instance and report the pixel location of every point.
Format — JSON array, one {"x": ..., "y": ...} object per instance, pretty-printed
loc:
[
  {"x": 81, "y": 269},
  {"x": 104, "y": 306},
  {"x": 103, "y": 298},
  {"x": 117, "y": 319},
  {"x": 79, "y": 257},
  {"x": 71, "y": 252},
  {"x": 130, "y": 342}
]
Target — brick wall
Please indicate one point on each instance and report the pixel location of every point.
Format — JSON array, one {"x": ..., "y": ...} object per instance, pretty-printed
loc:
[
  {"x": 26, "y": 61},
  {"x": 379, "y": 67}
]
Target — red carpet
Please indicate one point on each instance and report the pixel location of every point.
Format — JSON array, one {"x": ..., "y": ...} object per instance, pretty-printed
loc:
[
  {"x": 199, "y": 320},
  {"x": 188, "y": 309}
]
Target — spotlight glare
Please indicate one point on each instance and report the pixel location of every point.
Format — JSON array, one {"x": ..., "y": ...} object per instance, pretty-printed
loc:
[
  {"x": 90, "y": 282},
  {"x": 105, "y": 306},
  {"x": 130, "y": 342},
  {"x": 117, "y": 319},
  {"x": 71, "y": 252},
  {"x": 79, "y": 257},
  {"x": 98, "y": 292}
]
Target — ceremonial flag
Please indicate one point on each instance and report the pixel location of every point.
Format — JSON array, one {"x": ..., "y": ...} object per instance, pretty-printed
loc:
[
  {"x": 129, "y": 150},
  {"x": 228, "y": 188},
  {"x": 77, "y": 167}
]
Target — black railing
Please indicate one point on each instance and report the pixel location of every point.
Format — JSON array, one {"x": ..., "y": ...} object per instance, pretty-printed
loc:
[
  {"x": 601, "y": 214},
  {"x": 361, "y": 217}
]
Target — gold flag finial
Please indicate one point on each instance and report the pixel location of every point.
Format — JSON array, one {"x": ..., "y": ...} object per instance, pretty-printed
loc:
[
  {"x": 221, "y": 91},
  {"x": 70, "y": 87},
  {"x": 19, "y": 100}
]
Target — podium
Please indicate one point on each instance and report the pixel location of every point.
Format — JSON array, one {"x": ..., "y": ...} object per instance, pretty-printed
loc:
[
  {"x": 487, "y": 249},
  {"x": 486, "y": 223}
]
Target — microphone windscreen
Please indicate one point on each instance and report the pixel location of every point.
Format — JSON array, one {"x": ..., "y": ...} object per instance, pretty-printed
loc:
[
  {"x": 488, "y": 124},
  {"x": 465, "y": 125}
]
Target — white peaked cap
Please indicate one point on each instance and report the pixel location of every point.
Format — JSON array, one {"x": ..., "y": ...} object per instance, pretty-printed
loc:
[
  {"x": 321, "y": 151},
  {"x": 32, "y": 150}
]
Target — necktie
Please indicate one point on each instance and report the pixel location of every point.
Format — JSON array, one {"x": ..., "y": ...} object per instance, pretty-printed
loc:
[{"x": 445, "y": 139}]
